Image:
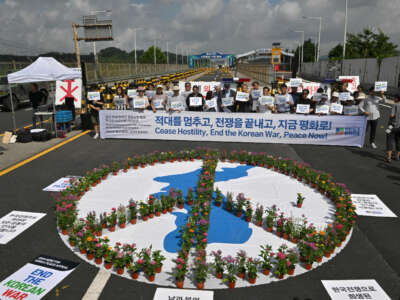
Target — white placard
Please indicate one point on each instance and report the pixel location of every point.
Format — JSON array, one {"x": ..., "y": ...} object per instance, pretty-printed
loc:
[
  {"x": 212, "y": 103},
  {"x": 303, "y": 108},
  {"x": 16, "y": 222},
  {"x": 266, "y": 100},
  {"x": 93, "y": 96},
  {"x": 195, "y": 101},
  {"x": 168, "y": 294},
  {"x": 322, "y": 109},
  {"x": 344, "y": 96},
  {"x": 281, "y": 99},
  {"x": 255, "y": 94},
  {"x": 158, "y": 103},
  {"x": 336, "y": 108},
  {"x": 58, "y": 186},
  {"x": 227, "y": 101},
  {"x": 37, "y": 278},
  {"x": 295, "y": 82},
  {"x": 317, "y": 97},
  {"x": 150, "y": 94},
  {"x": 132, "y": 93},
  {"x": 371, "y": 205},
  {"x": 71, "y": 88},
  {"x": 381, "y": 86},
  {"x": 177, "y": 105},
  {"x": 119, "y": 101},
  {"x": 169, "y": 93},
  {"x": 350, "y": 110},
  {"x": 242, "y": 97},
  {"x": 351, "y": 289},
  {"x": 354, "y": 82},
  {"x": 139, "y": 103}
]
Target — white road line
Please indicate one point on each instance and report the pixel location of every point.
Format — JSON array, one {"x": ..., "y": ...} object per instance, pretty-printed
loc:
[
  {"x": 97, "y": 285},
  {"x": 28, "y": 109}
]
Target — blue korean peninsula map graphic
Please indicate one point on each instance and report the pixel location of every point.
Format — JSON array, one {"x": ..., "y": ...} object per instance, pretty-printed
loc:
[{"x": 225, "y": 227}]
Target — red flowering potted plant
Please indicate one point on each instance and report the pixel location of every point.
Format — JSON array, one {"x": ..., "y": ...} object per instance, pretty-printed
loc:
[
  {"x": 158, "y": 258},
  {"x": 189, "y": 196},
  {"x": 241, "y": 258},
  {"x": 132, "y": 211},
  {"x": 293, "y": 258},
  {"x": 219, "y": 263},
  {"x": 109, "y": 258},
  {"x": 121, "y": 216},
  {"x": 134, "y": 269},
  {"x": 119, "y": 262},
  {"x": 266, "y": 255},
  {"x": 180, "y": 271},
  {"x": 231, "y": 268},
  {"x": 281, "y": 263}
]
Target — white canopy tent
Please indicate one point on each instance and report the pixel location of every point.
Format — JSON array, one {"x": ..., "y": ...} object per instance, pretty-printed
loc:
[{"x": 42, "y": 69}]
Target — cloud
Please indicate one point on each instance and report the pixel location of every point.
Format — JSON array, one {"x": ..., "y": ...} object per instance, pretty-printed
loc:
[{"x": 231, "y": 26}]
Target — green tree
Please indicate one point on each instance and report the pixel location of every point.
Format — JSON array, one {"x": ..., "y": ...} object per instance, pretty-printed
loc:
[
  {"x": 308, "y": 56},
  {"x": 148, "y": 56}
]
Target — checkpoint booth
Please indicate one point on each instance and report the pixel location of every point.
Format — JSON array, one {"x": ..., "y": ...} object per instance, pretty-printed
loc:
[{"x": 211, "y": 59}]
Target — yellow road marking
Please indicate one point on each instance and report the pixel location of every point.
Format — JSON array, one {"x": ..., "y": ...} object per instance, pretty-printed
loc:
[
  {"x": 30, "y": 125},
  {"x": 28, "y": 160}
]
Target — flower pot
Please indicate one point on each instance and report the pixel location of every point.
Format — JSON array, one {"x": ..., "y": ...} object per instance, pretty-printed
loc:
[
  {"x": 241, "y": 275},
  {"x": 266, "y": 271},
  {"x": 308, "y": 266},
  {"x": 108, "y": 265},
  {"x": 64, "y": 231},
  {"x": 300, "y": 179},
  {"x": 190, "y": 203},
  {"x": 219, "y": 275},
  {"x": 229, "y": 208},
  {"x": 280, "y": 233},
  {"x": 319, "y": 259},
  {"x": 98, "y": 233},
  {"x": 302, "y": 258},
  {"x": 252, "y": 280},
  {"x": 90, "y": 256},
  {"x": 104, "y": 225},
  {"x": 217, "y": 204},
  {"x": 231, "y": 285},
  {"x": 145, "y": 218},
  {"x": 151, "y": 278},
  {"x": 104, "y": 177},
  {"x": 286, "y": 236},
  {"x": 115, "y": 173},
  {"x": 120, "y": 271},
  {"x": 94, "y": 184},
  {"x": 281, "y": 276},
  {"x": 135, "y": 167},
  {"x": 164, "y": 211},
  {"x": 269, "y": 229},
  {"x": 259, "y": 223},
  {"x": 294, "y": 240},
  {"x": 72, "y": 244},
  {"x": 242, "y": 162},
  {"x": 239, "y": 214},
  {"x": 339, "y": 245},
  {"x": 142, "y": 165},
  {"x": 180, "y": 205},
  {"x": 200, "y": 285},
  {"x": 82, "y": 251},
  {"x": 98, "y": 260},
  {"x": 151, "y": 215},
  {"x": 111, "y": 229},
  {"x": 299, "y": 205},
  {"x": 170, "y": 209},
  {"x": 135, "y": 275},
  {"x": 122, "y": 225},
  {"x": 158, "y": 270},
  {"x": 125, "y": 170},
  {"x": 290, "y": 272},
  {"x": 327, "y": 254},
  {"x": 179, "y": 284},
  {"x": 158, "y": 213},
  {"x": 133, "y": 221}
]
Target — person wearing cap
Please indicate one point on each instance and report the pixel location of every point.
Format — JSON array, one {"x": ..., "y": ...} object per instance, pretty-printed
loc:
[
  {"x": 255, "y": 93},
  {"x": 159, "y": 100},
  {"x": 227, "y": 93},
  {"x": 284, "y": 108},
  {"x": 195, "y": 94},
  {"x": 176, "y": 102},
  {"x": 370, "y": 108},
  {"x": 141, "y": 96},
  {"x": 324, "y": 101},
  {"x": 334, "y": 100}
]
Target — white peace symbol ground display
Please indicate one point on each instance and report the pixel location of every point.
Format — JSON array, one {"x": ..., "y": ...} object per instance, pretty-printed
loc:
[{"x": 210, "y": 219}]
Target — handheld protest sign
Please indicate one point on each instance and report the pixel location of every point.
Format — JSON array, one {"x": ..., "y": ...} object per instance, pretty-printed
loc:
[
  {"x": 303, "y": 108},
  {"x": 242, "y": 97},
  {"x": 281, "y": 99},
  {"x": 139, "y": 103},
  {"x": 317, "y": 97},
  {"x": 131, "y": 93},
  {"x": 256, "y": 94},
  {"x": 351, "y": 110},
  {"x": 295, "y": 82},
  {"x": 322, "y": 109},
  {"x": 176, "y": 105},
  {"x": 380, "y": 86},
  {"x": 158, "y": 103},
  {"x": 195, "y": 101},
  {"x": 93, "y": 96},
  {"x": 336, "y": 108},
  {"x": 212, "y": 103},
  {"x": 227, "y": 101},
  {"x": 266, "y": 100},
  {"x": 344, "y": 96}
]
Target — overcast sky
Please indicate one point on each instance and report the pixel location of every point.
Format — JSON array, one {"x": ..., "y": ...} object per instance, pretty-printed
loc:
[{"x": 230, "y": 26}]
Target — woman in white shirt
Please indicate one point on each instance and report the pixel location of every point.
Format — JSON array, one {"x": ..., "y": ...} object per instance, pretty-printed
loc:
[
  {"x": 265, "y": 108},
  {"x": 139, "y": 99},
  {"x": 159, "y": 100}
]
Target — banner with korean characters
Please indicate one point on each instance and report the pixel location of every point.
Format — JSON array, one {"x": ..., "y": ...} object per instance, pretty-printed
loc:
[
  {"x": 238, "y": 127},
  {"x": 354, "y": 289},
  {"x": 34, "y": 280}
]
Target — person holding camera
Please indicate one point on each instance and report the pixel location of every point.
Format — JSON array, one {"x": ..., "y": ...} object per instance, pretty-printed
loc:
[{"x": 393, "y": 131}]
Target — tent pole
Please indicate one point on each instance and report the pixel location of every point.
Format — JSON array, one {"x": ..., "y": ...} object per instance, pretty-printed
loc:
[
  {"x": 12, "y": 109},
  {"x": 54, "y": 114}
]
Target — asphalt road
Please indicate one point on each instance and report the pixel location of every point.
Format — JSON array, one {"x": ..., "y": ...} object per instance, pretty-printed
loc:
[
  {"x": 372, "y": 252},
  {"x": 23, "y": 117}
]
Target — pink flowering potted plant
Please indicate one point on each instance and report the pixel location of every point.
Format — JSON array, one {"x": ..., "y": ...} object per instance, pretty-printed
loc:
[
  {"x": 231, "y": 268},
  {"x": 266, "y": 255}
]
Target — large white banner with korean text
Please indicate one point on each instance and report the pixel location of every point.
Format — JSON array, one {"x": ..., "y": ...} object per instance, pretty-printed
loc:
[{"x": 234, "y": 127}]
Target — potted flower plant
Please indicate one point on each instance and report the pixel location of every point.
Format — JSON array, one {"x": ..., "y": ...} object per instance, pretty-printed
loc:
[
  {"x": 229, "y": 201},
  {"x": 266, "y": 254},
  {"x": 219, "y": 198},
  {"x": 281, "y": 263},
  {"x": 119, "y": 262},
  {"x": 134, "y": 269},
  {"x": 132, "y": 211},
  {"x": 158, "y": 258},
  {"x": 157, "y": 208},
  {"x": 259, "y": 214},
  {"x": 189, "y": 196},
  {"x": 231, "y": 268},
  {"x": 144, "y": 211},
  {"x": 112, "y": 219},
  {"x": 271, "y": 217},
  {"x": 219, "y": 263},
  {"x": 121, "y": 216},
  {"x": 241, "y": 258},
  {"x": 240, "y": 203},
  {"x": 300, "y": 200},
  {"x": 200, "y": 272},
  {"x": 180, "y": 271},
  {"x": 248, "y": 212},
  {"x": 115, "y": 167},
  {"x": 252, "y": 269}
]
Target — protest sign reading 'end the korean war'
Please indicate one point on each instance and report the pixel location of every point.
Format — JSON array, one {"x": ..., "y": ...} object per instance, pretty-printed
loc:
[
  {"x": 371, "y": 205},
  {"x": 354, "y": 289},
  {"x": 168, "y": 294},
  {"x": 16, "y": 222},
  {"x": 239, "y": 127},
  {"x": 36, "y": 279}
]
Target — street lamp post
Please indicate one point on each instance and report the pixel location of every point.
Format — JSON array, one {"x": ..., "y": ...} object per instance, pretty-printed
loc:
[
  {"x": 345, "y": 35},
  {"x": 319, "y": 33},
  {"x": 134, "y": 30},
  {"x": 302, "y": 47}
]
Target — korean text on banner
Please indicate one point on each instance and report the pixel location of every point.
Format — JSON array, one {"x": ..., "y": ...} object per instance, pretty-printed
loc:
[
  {"x": 240, "y": 127},
  {"x": 351, "y": 289},
  {"x": 166, "y": 294}
]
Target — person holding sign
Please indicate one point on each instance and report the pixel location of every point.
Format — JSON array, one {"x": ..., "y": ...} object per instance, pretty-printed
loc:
[
  {"x": 323, "y": 107},
  {"x": 188, "y": 89},
  {"x": 121, "y": 95},
  {"x": 140, "y": 102},
  {"x": 176, "y": 102},
  {"x": 370, "y": 108},
  {"x": 95, "y": 107},
  {"x": 195, "y": 100},
  {"x": 243, "y": 100},
  {"x": 159, "y": 100},
  {"x": 255, "y": 93},
  {"x": 210, "y": 104},
  {"x": 284, "y": 101},
  {"x": 265, "y": 103},
  {"x": 305, "y": 105},
  {"x": 168, "y": 91},
  {"x": 393, "y": 131},
  {"x": 150, "y": 92},
  {"x": 226, "y": 100}
]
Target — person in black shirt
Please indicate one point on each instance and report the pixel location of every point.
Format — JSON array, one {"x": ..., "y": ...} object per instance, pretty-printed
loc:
[
  {"x": 36, "y": 97},
  {"x": 305, "y": 100},
  {"x": 195, "y": 94},
  {"x": 295, "y": 95},
  {"x": 95, "y": 107}
]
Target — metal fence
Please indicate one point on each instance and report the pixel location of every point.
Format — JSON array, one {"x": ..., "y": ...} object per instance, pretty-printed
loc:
[{"x": 262, "y": 73}]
